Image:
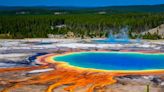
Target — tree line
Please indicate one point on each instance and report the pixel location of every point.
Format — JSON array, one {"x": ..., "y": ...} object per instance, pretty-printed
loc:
[{"x": 82, "y": 25}]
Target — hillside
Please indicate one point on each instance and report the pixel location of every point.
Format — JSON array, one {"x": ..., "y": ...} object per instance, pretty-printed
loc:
[
  {"x": 81, "y": 10},
  {"x": 82, "y": 25},
  {"x": 138, "y": 8},
  {"x": 159, "y": 30},
  {"x": 40, "y": 21}
]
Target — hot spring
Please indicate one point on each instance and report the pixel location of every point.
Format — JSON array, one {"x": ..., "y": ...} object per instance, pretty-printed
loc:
[
  {"x": 114, "y": 61},
  {"x": 81, "y": 69}
]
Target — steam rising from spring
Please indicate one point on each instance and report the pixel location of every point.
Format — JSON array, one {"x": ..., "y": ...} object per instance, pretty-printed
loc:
[{"x": 121, "y": 37}]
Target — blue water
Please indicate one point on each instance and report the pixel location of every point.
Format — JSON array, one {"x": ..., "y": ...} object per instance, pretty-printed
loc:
[
  {"x": 114, "y": 60},
  {"x": 106, "y": 41},
  {"x": 44, "y": 43}
]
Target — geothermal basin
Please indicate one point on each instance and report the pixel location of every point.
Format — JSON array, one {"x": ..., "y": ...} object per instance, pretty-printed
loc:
[{"x": 114, "y": 61}]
